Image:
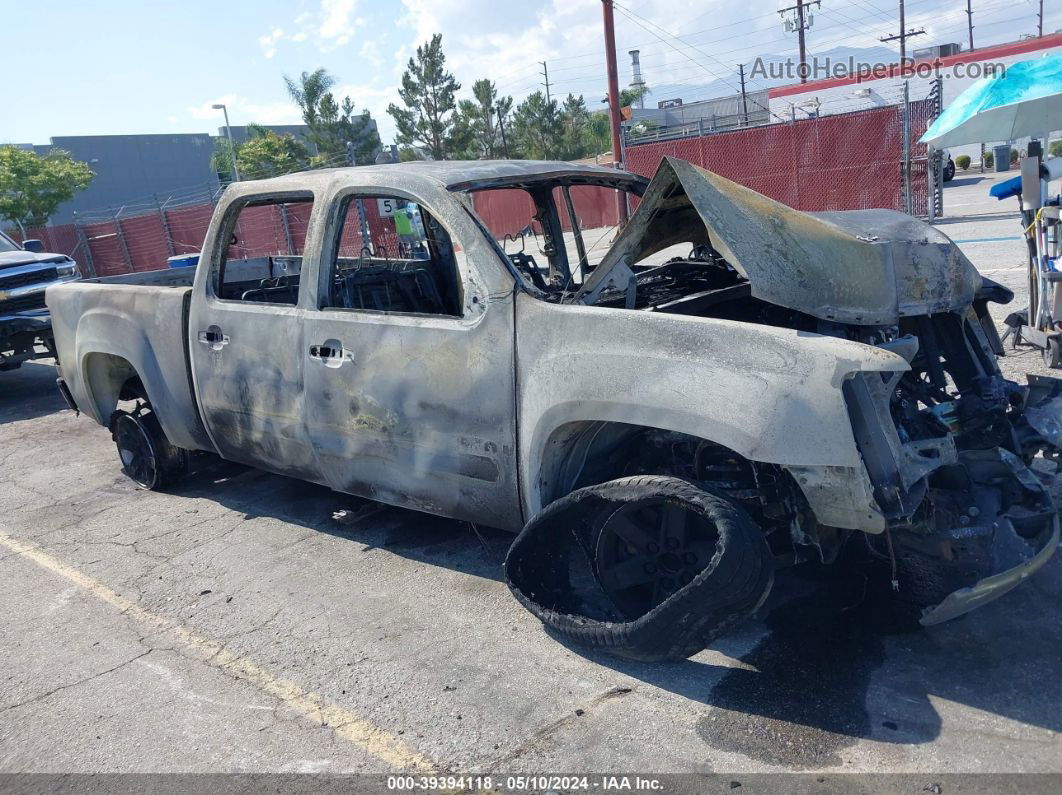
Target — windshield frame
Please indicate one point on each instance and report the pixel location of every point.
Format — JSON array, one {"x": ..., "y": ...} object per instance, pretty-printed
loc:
[{"x": 543, "y": 190}]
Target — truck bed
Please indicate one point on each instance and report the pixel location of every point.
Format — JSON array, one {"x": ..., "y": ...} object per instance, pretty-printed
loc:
[{"x": 108, "y": 330}]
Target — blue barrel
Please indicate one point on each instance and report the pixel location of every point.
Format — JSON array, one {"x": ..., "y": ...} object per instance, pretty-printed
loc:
[{"x": 183, "y": 261}]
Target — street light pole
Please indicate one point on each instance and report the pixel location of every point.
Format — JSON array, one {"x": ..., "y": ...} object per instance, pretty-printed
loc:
[{"x": 228, "y": 134}]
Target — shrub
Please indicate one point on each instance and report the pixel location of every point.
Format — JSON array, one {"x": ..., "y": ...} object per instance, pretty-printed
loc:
[
  {"x": 1013, "y": 155},
  {"x": 1055, "y": 149},
  {"x": 988, "y": 159},
  {"x": 963, "y": 162}
]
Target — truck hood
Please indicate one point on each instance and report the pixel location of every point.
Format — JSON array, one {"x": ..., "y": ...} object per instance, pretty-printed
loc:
[
  {"x": 867, "y": 267},
  {"x": 11, "y": 259}
]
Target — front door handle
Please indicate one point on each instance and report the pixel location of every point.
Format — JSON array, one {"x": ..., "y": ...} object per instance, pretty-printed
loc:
[
  {"x": 331, "y": 353},
  {"x": 214, "y": 337}
]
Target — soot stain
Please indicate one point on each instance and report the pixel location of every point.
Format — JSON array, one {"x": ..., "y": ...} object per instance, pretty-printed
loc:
[{"x": 802, "y": 696}]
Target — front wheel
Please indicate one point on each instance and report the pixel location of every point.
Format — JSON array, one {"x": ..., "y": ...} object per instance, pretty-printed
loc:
[
  {"x": 148, "y": 457},
  {"x": 671, "y": 567}
]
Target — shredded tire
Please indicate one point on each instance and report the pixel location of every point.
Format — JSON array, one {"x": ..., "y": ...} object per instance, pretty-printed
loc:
[
  {"x": 155, "y": 463},
  {"x": 543, "y": 570}
]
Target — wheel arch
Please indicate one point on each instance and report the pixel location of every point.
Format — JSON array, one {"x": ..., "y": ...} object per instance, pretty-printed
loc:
[
  {"x": 109, "y": 379},
  {"x": 570, "y": 448}
]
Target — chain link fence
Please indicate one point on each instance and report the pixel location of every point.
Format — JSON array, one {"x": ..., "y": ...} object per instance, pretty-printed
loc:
[{"x": 847, "y": 160}]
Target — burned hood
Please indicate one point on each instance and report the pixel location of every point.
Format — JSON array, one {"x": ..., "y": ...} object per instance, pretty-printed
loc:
[{"x": 866, "y": 267}]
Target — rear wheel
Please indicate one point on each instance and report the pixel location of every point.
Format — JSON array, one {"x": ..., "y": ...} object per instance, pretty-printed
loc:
[{"x": 148, "y": 458}]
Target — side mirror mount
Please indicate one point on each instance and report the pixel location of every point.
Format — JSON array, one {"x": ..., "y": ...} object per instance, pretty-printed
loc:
[{"x": 33, "y": 245}]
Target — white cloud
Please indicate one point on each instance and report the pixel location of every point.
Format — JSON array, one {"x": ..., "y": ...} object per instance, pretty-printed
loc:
[
  {"x": 268, "y": 42},
  {"x": 243, "y": 110},
  {"x": 332, "y": 25},
  {"x": 370, "y": 51},
  {"x": 336, "y": 22}
]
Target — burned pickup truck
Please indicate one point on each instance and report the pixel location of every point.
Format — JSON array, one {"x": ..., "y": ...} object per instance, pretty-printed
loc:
[{"x": 665, "y": 407}]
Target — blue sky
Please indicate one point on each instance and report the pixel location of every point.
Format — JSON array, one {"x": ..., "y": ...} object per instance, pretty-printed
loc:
[{"x": 112, "y": 66}]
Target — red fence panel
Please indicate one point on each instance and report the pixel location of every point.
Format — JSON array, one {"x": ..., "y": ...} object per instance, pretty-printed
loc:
[
  {"x": 188, "y": 226},
  {"x": 145, "y": 240},
  {"x": 841, "y": 162},
  {"x": 106, "y": 249}
]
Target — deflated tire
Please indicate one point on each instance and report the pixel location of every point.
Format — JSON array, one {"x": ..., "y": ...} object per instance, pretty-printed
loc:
[{"x": 645, "y": 567}]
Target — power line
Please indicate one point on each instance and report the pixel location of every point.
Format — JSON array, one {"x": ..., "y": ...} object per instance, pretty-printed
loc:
[
  {"x": 634, "y": 18},
  {"x": 903, "y": 35}
]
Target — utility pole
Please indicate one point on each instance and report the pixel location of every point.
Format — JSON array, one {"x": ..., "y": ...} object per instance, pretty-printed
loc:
[
  {"x": 613, "y": 81},
  {"x": 1040, "y": 21},
  {"x": 545, "y": 74},
  {"x": 801, "y": 22},
  {"x": 902, "y": 36},
  {"x": 969, "y": 21},
  {"x": 744, "y": 96}
]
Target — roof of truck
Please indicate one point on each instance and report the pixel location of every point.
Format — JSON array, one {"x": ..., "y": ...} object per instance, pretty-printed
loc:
[{"x": 465, "y": 174}]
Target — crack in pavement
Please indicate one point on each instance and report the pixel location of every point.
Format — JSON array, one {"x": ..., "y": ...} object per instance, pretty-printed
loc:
[{"x": 79, "y": 682}]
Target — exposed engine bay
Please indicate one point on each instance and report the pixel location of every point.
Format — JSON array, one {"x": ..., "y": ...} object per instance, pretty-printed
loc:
[{"x": 948, "y": 443}]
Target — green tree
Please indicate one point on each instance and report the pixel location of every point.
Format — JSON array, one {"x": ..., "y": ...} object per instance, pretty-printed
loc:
[
  {"x": 476, "y": 117},
  {"x": 266, "y": 154},
  {"x": 503, "y": 108},
  {"x": 32, "y": 187},
  {"x": 537, "y": 127},
  {"x": 599, "y": 131},
  {"x": 427, "y": 92},
  {"x": 263, "y": 154},
  {"x": 575, "y": 119},
  {"x": 629, "y": 96},
  {"x": 332, "y": 124}
]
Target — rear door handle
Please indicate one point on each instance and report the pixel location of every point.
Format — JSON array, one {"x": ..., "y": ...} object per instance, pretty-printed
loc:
[
  {"x": 331, "y": 354},
  {"x": 214, "y": 337}
]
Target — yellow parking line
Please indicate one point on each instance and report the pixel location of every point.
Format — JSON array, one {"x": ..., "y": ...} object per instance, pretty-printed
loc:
[{"x": 350, "y": 727}]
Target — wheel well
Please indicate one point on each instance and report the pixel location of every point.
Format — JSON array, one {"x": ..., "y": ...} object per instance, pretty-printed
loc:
[
  {"x": 586, "y": 453},
  {"x": 111, "y": 379},
  {"x": 582, "y": 454}
]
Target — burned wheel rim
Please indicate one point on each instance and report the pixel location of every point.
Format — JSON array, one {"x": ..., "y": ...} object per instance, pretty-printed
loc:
[
  {"x": 649, "y": 549},
  {"x": 140, "y": 461}
]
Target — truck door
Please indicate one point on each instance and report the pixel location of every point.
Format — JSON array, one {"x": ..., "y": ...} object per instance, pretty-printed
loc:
[
  {"x": 408, "y": 360},
  {"x": 244, "y": 329}
]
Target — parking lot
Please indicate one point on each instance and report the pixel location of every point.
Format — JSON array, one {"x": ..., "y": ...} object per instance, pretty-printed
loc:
[{"x": 250, "y": 622}]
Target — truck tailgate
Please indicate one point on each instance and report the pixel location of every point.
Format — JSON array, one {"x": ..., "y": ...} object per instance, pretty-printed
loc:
[{"x": 101, "y": 330}]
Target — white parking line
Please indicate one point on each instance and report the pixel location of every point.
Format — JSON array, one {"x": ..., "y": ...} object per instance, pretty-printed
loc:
[{"x": 312, "y": 706}]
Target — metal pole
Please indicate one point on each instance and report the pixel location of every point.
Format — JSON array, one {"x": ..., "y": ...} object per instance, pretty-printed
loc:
[
  {"x": 744, "y": 96},
  {"x": 83, "y": 243},
  {"x": 803, "y": 48},
  {"x": 122, "y": 244},
  {"x": 286, "y": 228},
  {"x": 969, "y": 21},
  {"x": 613, "y": 80},
  {"x": 905, "y": 166},
  {"x": 228, "y": 134},
  {"x": 903, "y": 39},
  {"x": 1040, "y": 21},
  {"x": 165, "y": 224}
]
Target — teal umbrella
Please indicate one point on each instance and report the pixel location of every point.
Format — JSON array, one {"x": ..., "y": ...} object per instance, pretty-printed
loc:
[{"x": 1025, "y": 100}]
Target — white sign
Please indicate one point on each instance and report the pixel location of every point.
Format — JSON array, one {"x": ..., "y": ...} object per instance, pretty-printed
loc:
[{"x": 387, "y": 207}]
